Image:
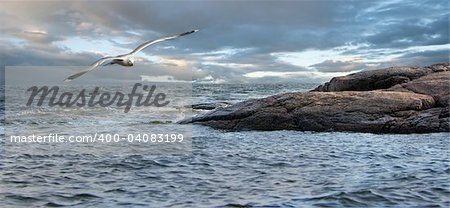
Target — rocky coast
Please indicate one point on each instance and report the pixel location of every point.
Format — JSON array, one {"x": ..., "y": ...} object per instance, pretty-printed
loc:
[{"x": 391, "y": 100}]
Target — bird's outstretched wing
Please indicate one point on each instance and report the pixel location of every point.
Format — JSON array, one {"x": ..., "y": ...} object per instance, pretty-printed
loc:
[
  {"x": 151, "y": 42},
  {"x": 90, "y": 68}
]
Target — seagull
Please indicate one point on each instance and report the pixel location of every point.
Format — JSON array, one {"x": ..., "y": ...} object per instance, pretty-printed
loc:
[{"x": 125, "y": 59}]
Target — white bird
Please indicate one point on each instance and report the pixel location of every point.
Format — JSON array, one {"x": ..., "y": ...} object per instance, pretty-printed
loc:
[{"x": 125, "y": 59}]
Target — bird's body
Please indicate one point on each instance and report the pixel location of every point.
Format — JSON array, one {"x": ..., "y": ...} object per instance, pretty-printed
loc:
[{"x": 125, "y": 59}]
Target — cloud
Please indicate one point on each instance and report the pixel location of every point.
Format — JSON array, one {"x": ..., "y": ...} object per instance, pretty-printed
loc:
[
  {"x": 236, "y": 38},
  {"x": 210, "y": 80},
  {"x": 405, "y": 33},
  {"x": 291, "y": 77},
  {"x": 42, "y": 55},
  {"x": 423, "y": 58},
  {"x": 339, "y": 66}
]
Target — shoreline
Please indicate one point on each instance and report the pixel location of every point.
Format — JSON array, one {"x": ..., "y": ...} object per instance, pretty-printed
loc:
[{"x": 393, "y": 100}]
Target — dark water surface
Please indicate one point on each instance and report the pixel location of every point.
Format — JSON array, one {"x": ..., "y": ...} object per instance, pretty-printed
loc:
[{"x": 277, "y": 169}]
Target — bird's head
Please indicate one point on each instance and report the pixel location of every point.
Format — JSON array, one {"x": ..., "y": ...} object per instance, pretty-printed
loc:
[
  {"x": 187, "y": 33},
  {"x": 130, "y": 61}
]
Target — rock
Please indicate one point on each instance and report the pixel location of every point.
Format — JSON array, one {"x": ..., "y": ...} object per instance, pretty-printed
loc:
[
  {"x": 435, "y": 84},
  {"x": 440, "y": 67},
  {"x": 210, "y": 106},
  {"x": 416, "y": 101},
  {"x": 379, "y": 79},
  {"x": 318, "y": 111},
  {"x": 430, "y": 120}
]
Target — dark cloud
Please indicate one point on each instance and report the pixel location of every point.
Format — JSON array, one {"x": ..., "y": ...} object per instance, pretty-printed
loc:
[
  {"x": 411, "y": 33},
  {"x": 38, "y": 56},
  {"x": 423, "y": 58},
  {"x": 255, "y": 29}
]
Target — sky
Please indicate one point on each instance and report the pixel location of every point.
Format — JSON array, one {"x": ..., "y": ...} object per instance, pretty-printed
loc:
[{"x": 238, "y": 42}]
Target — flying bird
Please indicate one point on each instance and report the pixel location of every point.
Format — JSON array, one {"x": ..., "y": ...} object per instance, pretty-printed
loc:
[{"x": 125, "y": 59}]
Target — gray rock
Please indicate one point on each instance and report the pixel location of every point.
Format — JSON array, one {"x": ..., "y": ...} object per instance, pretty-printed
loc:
[
  {"x": 426, "y": 121},
  {"x": 379, "y": 79},
  {"x": 435, "y": 84},
  {"x": 417, "y": 103},
  {"x": 210, "y": 106},
  {"x": 318, "y": 111}
]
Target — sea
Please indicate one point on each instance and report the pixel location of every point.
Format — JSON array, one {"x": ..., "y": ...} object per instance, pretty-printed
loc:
[{"x": 218, "y": 168}]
